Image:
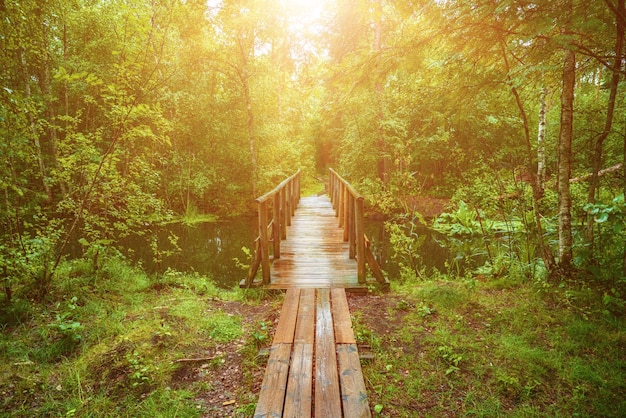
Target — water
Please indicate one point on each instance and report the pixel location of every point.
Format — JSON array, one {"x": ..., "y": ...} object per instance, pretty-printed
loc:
[
  {"x": 210, "y": 249},
  {"x": 206, "y": 248},
  {"x": 431, "y": 254}
]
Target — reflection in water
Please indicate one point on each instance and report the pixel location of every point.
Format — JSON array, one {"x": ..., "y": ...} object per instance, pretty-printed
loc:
[
  {"x": 210, "y": 249},
  {"x": 207, "y": 248},
  {"x": 431, "y": 253}
]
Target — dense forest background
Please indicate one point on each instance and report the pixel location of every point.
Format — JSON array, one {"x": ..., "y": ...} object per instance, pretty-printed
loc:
[
  {"x": 490, "y": 131},
  {"x": 118, "y": 114}
]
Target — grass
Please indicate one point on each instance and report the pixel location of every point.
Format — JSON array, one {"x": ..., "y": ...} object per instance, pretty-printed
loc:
[
  {"x": 478, "y": 350},
  {"x": 106, "y": 344}
]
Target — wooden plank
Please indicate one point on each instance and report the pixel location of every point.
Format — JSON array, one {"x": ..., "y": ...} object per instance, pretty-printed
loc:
[
  {"x": 288, "y": 314},
  {"x": 272, "y": 395},
  {"x": 305, "y": 325},
  {"x": 341, "y": 318},
  {"x": 353, "y": 393},
  {"x": 327, "y": 397},
  {"x": 299, "y": 384},
  {"x": 314, "y": 250}
]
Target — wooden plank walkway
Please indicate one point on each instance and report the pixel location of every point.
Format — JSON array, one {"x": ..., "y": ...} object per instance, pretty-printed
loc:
[
  {"x": 314, "y": 254},
  {"x": 314, "y": 367}
]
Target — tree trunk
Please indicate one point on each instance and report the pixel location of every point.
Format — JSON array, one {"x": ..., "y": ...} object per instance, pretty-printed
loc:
[
  {"x": 382, "y": 163},
  {"x": 565, "y": 160},
  {"x": 544, "y": 249},
  {"x": 594, "y": 183},
  {"x": 251, "y": 135},
  {"x": 624, "y": 192},
  {"x": 245, "y": 46},
  {"x": 541, "y": 148},
  {"x": 31, "y": 121}
]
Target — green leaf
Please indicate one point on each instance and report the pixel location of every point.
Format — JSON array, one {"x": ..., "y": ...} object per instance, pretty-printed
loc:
[{"x": 602, "y": 217}]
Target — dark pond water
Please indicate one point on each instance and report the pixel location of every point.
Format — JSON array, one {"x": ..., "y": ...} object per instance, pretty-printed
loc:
[
  {"x": 206, "y": 248},
  {"x": 432, "y": 254},
  {"x": 210, "y": 249}
]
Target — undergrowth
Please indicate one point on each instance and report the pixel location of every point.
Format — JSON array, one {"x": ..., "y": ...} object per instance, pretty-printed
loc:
[
  {"x": 479, "y": 348},
  {"x": 108, "y": 343}
]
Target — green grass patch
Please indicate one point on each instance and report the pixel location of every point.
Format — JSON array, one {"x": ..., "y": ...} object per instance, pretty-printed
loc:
[
  {"x": 494, "y": 349},
  {"x": 107, "y": 343}
]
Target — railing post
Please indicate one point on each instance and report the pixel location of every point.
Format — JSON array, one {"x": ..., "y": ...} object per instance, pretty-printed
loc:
[
  {"x": 340, "y": 207},
  {"x": 352, "y": 227},
  {"x": 276, "y": 233},
  {"x": 330, "y": 185},
  {"x": 360, "y": 240},
  {"x": 346, "y": 213},
  {"x": 299, "y": 188},
  {"x": 265, "y": 256},
  {"x": 284, "y": 216},
  {"x": 287, "y": 204},
  {"x": 292, "y": 196}
]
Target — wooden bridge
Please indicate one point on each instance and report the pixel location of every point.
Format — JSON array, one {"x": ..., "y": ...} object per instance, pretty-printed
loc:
[{"x": 316, "y": 253}]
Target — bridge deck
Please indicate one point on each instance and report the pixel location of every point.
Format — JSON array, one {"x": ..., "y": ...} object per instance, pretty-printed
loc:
[
  {"x": 314, "y": 253},
  {"x": 314, "y": 367}
]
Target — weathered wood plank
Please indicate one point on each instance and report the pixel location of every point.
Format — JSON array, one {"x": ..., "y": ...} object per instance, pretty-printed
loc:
[
  {"x": 288, "y": 314},
  {"x": 305, "y": 326},
  {"x": 299, "y": 384},
  {"x": 327, "y": 397},
  {"x": 314, "y": 248},
  {"x": 272, "y": 395},
  {"x": 341, "y": 317},
  {"x": 353, "y": 393}
]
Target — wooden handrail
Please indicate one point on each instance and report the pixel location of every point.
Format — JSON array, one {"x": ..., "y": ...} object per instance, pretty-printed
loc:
[
  {"x": 348, "y": 205},
  {"x": 283, "y": 200}
]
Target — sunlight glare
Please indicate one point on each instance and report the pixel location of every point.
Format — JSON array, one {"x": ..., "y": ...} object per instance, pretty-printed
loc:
[{"x": 305, "y": 12}]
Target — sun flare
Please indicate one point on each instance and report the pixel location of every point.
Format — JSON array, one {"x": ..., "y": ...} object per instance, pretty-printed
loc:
[{"x": 305, "y": 11}]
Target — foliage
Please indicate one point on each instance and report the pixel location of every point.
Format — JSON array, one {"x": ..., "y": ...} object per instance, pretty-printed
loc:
[
  {"x": 491, "y": 350},
  {"x": 406, "y": 237},
  {"x": 112, "y": 349},
  {"x": 611, "y": 223}
]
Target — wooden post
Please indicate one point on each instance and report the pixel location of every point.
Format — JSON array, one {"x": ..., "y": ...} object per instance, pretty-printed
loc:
[
  {"x": 292, "y": 194},
  {"x": 330, "y": 185},
  {"x": 340, "y": 204},
  {"x": 284, "y": 216},
  {"x": 360, "y": 240},
  {"x": 352, "y": 228},
  {"x": 287, "y": 202},
  {"x": 276, "y": 232},
  {"x": 299, "y": 188},
  {"x": 346, "y": 214},
  {"x": 265, "y": 256}
]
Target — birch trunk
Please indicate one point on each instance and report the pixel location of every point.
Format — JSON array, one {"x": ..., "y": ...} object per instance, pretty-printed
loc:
[
  {"x": 565, "y": 160},
  {"x": 541, "y": 148}
]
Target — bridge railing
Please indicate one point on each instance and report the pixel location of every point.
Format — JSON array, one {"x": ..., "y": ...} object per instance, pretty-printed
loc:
[
  {"x": 275, "y": 210},
  {"x": 348, "y": 205}
]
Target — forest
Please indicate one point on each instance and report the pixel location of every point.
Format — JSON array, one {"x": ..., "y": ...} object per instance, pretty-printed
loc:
[{"x": 497, "y": 125}]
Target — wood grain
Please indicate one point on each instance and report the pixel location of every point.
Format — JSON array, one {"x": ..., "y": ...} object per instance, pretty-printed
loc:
[
  {"x": 299, "y": 384},
  {"x": 314, "y": 253},
  {"x": 272, "y": 395},
  {"x": 341, "y": 318},
  {"x": 288, "y": 315},
  {"x": 327, "y": 396},
  {"x": 353, "y": 393},
  {"x": 305, "y": 326}
]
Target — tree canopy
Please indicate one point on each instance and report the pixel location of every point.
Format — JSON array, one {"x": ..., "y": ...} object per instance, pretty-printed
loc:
[{"x": 116, "y": 114}]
